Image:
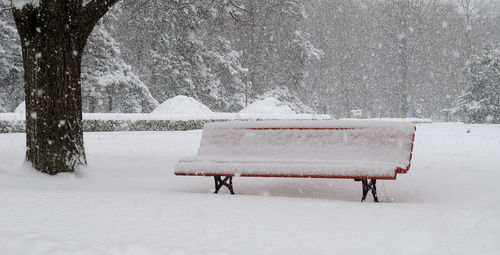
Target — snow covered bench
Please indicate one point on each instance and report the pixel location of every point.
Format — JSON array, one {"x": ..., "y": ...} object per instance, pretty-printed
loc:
[{"x": 353, "y": 149}]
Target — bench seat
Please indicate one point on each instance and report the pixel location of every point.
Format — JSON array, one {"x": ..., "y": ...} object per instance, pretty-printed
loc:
[{"x": 248, "y": 167}]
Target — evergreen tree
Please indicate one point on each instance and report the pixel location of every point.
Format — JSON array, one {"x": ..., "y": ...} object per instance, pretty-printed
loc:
[
  {"x": 179, "y": 53},
  {"x": 177, "y": 66},
  {"x": 275, "y": 49},
  {"x": 11, "y": 69},
  {"x": 481, "y": 100},
  {"x": 108, "y": 83},
  {"x": 228, "y": 71}
]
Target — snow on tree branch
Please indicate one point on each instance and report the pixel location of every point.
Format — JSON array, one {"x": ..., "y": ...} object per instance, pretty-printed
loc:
[{"x": 19, "y": 4}]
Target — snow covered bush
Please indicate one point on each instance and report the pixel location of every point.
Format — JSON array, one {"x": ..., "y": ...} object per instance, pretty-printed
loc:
[
  {"x": 180, "y": 105},
  {"x": 289, "y": 98},
  {"x": 268, "y": 105},
  {"x": 481, "y": 100}
]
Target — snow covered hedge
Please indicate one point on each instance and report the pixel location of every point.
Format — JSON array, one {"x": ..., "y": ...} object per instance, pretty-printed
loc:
[
  {"x": 175, "y": 114},
  {"x": 108, "y": 122},
  {"x": 143, "y": 125},
  {"x": 17, "y": 126},
  {"x": 7, "y": 126}
]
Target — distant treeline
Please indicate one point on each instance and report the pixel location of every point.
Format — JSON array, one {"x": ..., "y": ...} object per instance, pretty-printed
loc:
[{"x": 387, "y": 58}]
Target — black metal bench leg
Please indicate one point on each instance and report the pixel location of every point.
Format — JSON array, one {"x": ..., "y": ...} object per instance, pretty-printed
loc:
[
  {"x": 374, "y": 189},
  {"x": 227, "y": 181},
  {"x": 367, "y": 186},
  {"x": 230, "y": 186},
  {"x": 218, "y": 184}
]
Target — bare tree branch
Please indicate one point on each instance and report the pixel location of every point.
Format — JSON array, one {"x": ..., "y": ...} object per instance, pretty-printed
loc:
[
  {"x": 208, "y": 9},
  {"x": 237, "y": 6},
  {"x": 92, "y": 13}
]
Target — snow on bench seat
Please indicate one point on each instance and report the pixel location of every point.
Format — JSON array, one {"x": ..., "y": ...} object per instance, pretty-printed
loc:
[{"x": 317, "y": 149}]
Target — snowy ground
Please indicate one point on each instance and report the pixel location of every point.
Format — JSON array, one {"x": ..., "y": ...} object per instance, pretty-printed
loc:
[{"x": 129, "y": 202}]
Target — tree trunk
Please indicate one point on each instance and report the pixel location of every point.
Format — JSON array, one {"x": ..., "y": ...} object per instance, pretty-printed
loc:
[
  {"x": 53, "y": 36},
  {"x": 403, "y": 106},
  {"x": 403, "y": 87}
]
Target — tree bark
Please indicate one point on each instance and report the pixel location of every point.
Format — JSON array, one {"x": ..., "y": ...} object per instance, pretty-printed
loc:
[
  {"x": 53, "y": 36},
  {"x": 403, "y": 106}
]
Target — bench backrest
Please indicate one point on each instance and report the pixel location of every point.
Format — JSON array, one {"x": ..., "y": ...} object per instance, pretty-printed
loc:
[{"x": 325, "y": 141}]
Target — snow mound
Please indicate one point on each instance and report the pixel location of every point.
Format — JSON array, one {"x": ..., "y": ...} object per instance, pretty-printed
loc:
[
  {"x": 182, "y": 105},
  {"x": 268, "y": 105},
  {"x": 21, "y": 108}
]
